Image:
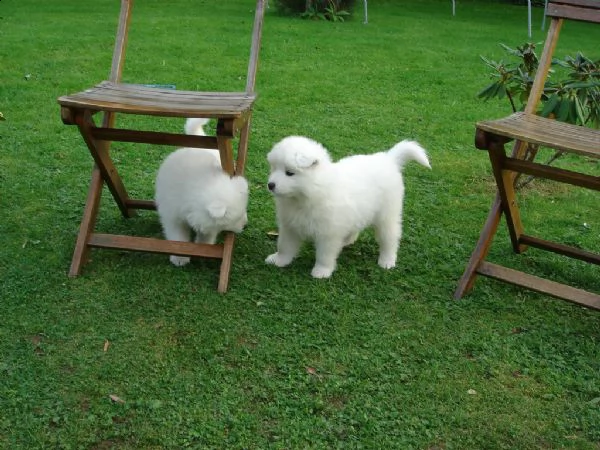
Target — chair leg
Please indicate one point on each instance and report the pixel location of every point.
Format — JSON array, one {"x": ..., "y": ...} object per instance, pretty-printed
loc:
[
  {"x": 228, "y": 242},
  {"x": 508, "y": 198},
  {"x": 520, "y": 150},
  {"x": 226, "y": 151},
  {"x": 481, "y": 249},
  {"x": 240, "y": 164},
  {"x": 88, "y": 222},
  {"x": 100, "y": 152}
]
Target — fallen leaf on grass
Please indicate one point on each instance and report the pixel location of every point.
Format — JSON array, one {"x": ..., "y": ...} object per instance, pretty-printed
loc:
[
  {"x": 116, "y": 399},
  {"x": 312, "y": 371}
]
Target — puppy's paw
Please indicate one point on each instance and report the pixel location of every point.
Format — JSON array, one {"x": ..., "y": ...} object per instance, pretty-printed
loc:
[
  {"x": 387, "y": 262},
  {"x": 277, "y": 260},
  {"x": 321, "y": 272},
  {"x": 179, "y": 261}
]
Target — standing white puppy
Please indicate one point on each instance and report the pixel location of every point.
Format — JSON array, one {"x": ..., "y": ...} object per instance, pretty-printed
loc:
[
  {"x": 330, "y": 203},
  {"x": 195, "y": 196}
]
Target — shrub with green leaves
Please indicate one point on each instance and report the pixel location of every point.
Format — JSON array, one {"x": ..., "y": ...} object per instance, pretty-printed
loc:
[
  {"x": 571, "y": 93},
  {"x": 333, "y": 10}
]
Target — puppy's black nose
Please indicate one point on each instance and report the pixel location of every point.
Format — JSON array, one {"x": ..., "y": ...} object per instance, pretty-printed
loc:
[{"x": 271, "y": 186}]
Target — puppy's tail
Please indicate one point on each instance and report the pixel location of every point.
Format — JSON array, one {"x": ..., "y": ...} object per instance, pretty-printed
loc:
[
  {"x": 406, "y": 151},
  {"x": 195, "y": 126}
]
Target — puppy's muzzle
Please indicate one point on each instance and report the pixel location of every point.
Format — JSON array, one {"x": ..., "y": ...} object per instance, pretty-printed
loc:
[{"x": 271, "y": 186}]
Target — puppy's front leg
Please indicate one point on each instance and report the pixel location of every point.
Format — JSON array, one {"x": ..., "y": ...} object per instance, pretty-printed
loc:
[
  {"x": 288, "y": 244},
  {"x": 327, "y": 250},
  {"x": 177, "y": 231}
]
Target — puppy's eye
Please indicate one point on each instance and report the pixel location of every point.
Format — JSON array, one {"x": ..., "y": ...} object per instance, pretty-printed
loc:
[{"x": 289, "y": 173}]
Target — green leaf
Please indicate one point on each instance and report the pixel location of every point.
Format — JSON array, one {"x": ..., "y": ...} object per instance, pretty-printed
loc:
[
  {"x": 564, "y": 108},
  {"x": 486, "y": 92},
  {"x": 550, "y": 105},
  {"x": 580, "y": 111}
]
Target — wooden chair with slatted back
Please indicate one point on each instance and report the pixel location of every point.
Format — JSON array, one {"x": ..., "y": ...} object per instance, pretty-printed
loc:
[
  {"x": 232, "y": 111},
  {"x": 528, "y": 128}
]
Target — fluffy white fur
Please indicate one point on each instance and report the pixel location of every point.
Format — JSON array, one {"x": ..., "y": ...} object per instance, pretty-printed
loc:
[
  {"x": 195, "y": 196},
  {"x": 330, "y": 203},
  {"x": 195, "y": 126}
]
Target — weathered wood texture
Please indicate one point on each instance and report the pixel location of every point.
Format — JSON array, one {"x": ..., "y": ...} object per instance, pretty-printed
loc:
[
  {"x": 231, "y": 110},
  {"x": 526, "y": 128}
]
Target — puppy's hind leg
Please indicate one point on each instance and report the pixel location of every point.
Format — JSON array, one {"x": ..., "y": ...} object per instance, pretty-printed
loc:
[
  {"x": 328, "y": 249},
  {"x": 388, "y": 230},
  {"x": 288, "y": 245},
  {"x": 177, "y": 231}
]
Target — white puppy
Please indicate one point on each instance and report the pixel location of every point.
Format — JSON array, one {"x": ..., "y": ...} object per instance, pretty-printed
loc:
[
  {"x": 194, "y": 195},
  {"x": 330, "y": 203}
]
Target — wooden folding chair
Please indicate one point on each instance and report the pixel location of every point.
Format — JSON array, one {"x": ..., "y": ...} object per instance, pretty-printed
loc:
[
  {"x": 528, "y": 128},
  {"x": 232, "y": 110}
]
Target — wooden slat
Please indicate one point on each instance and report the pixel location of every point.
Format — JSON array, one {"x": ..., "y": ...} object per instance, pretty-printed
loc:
[
  {"x": 546, "y": 132},
  {"x": 552, "y": 173},
  {"x": 587, "y": 11},
  {"x": 152, "y": 245},
  {"x": 561, "y": 249},
  {"x": 100, "y": 152},
  {"x": 594, "y": 4},
  {"x": 508, "y": 195},
  {"x": 154, "y": 137},
  {"x": 135, "y": 99},
  {"x": 141, "y": 204},
  {"x": 259, "y": 15},
  {"x": 467, "y": 280},
  {"x": 88, "y": 222},
  {"x": 544, "y": 64},
  {"x": 541, "y": 285},
  {"x": 228, "y": 243},
  {"x": 118, "y": 60}
]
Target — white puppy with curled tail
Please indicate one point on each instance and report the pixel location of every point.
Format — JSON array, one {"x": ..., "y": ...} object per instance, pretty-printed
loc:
[
  {"x": 195, "y": 198},
  {"x": 330, "y": 203}
]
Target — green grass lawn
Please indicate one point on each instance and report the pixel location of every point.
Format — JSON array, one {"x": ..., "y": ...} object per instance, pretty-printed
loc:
[{"x": 368, "y": 359}]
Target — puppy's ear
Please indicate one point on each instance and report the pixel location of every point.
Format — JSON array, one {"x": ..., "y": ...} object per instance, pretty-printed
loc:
[
  {"x": 217, "y": 209},
  {"x": 304, "y": 161}
]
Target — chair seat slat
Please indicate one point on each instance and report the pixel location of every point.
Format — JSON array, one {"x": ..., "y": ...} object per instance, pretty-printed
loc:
[
  {"x": 135, "y": 99},
  {"x": 546, "y": 132}
]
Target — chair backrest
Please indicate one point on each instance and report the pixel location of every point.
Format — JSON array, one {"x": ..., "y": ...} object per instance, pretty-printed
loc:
[
  {"x": 255, "y": 48},
  {"x": 123, "y": 31},
  {"x": 118, "y": 60},
  {"x": 583, "y": 10},
  {"x": 558, "y": 11}
]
